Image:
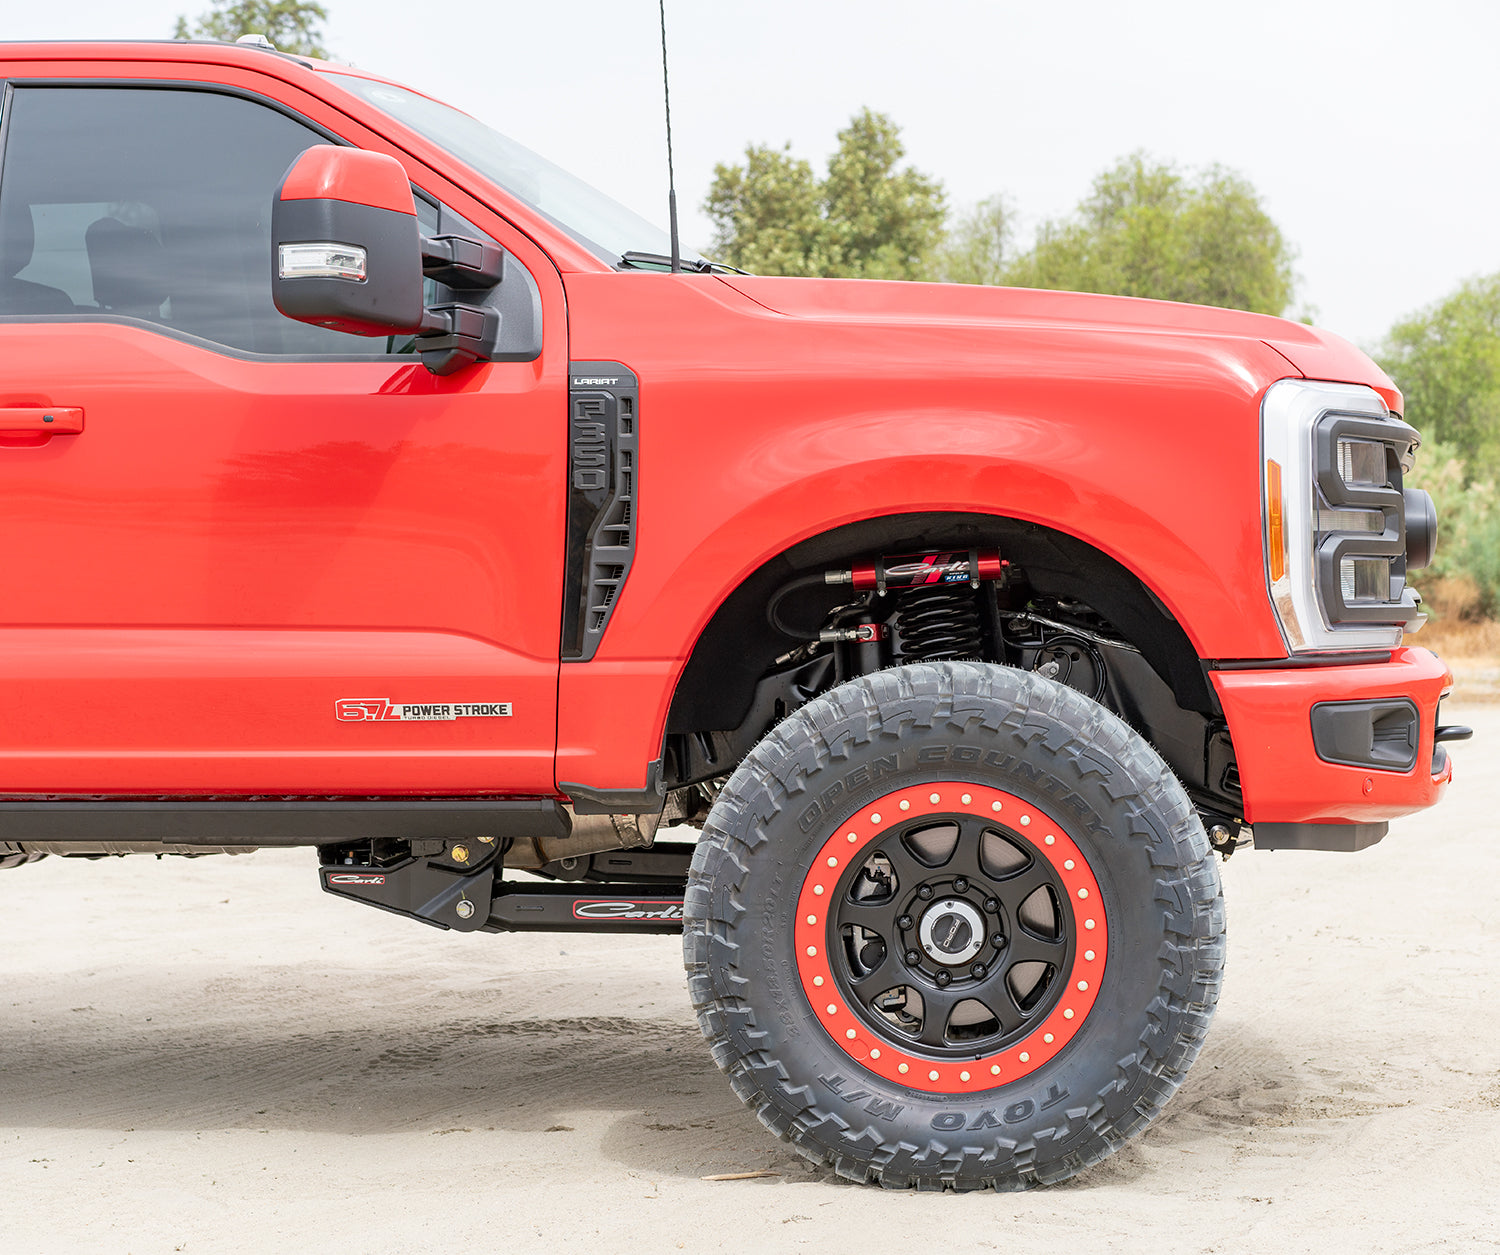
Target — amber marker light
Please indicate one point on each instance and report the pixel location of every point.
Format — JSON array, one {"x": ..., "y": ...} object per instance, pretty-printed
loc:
[{"x": 1275, "y": 535}]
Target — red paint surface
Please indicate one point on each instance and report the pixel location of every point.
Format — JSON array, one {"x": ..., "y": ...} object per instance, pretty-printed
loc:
[
  {"x": 45, "y": 421},
  {"x": 329, "y": 172},
  {"x": 235, "y": 543},
  {"x": 1284, "y": 780},
  {"x": 764, "y": 428}
]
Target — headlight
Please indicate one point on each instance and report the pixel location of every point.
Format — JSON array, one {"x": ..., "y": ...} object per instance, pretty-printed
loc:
[
  {"x": 1362, "y": 463},
  {"x": 1336, "y": 536}
]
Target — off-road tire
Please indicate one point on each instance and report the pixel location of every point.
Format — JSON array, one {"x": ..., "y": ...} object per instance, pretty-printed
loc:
[{"x": 1055, "y": 755}]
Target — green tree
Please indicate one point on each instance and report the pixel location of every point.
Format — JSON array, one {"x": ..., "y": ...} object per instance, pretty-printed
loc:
[
  {"x": 1464, "y": 579},
  {"x": 1147, "y": 230},
  {"x": 978, "y": 246},
  {"x": 292, "y": 25},
  {"x": 766, "y": 214},
  {"x": 867, "y": 218},
  {"x": 1446, "y": 360}
]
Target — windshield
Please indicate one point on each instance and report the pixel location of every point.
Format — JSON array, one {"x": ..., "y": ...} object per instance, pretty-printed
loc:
[{"x": 601, "y": 224}]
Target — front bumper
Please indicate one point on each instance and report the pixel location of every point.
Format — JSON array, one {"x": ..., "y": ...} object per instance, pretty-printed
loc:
[{"x": 1284, "y": 779}]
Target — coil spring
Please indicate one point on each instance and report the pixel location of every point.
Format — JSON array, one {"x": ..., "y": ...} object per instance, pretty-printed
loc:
[{"x": 938, "y": 623}]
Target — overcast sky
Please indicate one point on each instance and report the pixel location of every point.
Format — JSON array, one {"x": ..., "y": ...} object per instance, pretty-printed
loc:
[{"x": 1369, "y": 128}]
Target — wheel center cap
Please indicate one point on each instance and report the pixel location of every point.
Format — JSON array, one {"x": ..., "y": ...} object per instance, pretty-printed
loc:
[{"x": 952, "y": 931}]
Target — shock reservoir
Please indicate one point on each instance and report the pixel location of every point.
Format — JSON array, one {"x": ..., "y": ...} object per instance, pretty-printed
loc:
[{"x": 916, "y": 570}]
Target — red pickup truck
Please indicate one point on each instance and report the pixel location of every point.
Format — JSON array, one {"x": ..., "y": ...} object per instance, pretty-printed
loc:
[{"x": 370, "y": 484}]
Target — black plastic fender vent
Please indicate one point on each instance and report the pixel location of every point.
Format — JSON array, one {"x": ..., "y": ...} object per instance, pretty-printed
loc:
[{"x": 603, "y": 477}]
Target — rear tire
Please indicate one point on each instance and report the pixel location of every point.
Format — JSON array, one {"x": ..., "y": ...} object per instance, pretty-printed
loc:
[{"x": 954, "y": 926}]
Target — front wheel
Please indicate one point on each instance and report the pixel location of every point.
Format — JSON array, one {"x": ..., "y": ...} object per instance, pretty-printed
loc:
[{"x": 954, "y": 925}]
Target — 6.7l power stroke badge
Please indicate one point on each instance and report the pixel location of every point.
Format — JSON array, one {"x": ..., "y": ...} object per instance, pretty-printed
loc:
[{"x": 362, "y": 709}]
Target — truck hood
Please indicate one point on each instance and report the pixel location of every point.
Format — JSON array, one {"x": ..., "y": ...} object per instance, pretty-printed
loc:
[{"x": 1309, "y": 351}]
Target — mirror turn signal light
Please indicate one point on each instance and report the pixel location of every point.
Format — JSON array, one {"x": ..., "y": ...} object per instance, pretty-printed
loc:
[{"x": 323, "y": 261}]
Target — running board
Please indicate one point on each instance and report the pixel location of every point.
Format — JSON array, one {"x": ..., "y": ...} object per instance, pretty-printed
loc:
[{"x": 281, "y": 821}]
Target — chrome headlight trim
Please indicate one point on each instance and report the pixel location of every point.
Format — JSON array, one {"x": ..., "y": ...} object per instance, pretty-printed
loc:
[{"x": 1292, "y": 412}]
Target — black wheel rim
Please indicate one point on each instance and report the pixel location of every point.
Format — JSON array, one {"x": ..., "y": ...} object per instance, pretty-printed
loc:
[{"x": 951, "y": 935}]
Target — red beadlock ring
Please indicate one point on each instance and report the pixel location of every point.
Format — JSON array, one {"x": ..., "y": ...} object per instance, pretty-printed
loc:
[{"x": 1083, "y": 912}]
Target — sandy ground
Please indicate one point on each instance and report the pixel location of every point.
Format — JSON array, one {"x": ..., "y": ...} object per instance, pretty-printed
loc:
[{"x": 211, "y": 1055}]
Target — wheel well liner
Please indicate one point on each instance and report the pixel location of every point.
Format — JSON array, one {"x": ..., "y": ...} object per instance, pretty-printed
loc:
[{"x": 737, "y": 647}]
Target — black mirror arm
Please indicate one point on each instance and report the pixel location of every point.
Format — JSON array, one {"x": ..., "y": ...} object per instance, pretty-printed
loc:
[
  {"x": 457, "y": 334},
  {"x": 461, "y": 262},
  {"x": 454, "y": 336}
]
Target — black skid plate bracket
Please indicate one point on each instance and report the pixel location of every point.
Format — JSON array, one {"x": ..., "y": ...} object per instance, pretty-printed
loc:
[{"x": 448, "y": 884}]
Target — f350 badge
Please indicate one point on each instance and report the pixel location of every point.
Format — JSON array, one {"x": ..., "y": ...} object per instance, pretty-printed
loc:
[{"x": 367, "y": 709}]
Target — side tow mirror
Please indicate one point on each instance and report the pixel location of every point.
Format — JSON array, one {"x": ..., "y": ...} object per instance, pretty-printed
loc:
[
  {"x": 346, "y": 251},
  {"x": 348, "y": 254}
]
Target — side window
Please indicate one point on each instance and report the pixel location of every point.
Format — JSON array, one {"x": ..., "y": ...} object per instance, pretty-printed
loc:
[{"x": 154, "y": 204}]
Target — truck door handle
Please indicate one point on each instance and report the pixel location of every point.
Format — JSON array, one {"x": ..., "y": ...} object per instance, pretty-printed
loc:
[{"x": 57, "y": 420}]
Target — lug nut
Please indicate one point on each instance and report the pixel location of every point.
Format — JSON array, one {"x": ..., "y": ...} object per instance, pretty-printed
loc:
[
  {"x": 997, "y": 940},
  {"x": 960, "y": 885},
  {"x": 977, "y": 970},
  {"x": 992, "y": 904},
  {"x": 913, "y": 957},
  {"x": 904, "y": 922},
  {"x": 924, "y": 892},
  {"x": 943, "y": 978}
]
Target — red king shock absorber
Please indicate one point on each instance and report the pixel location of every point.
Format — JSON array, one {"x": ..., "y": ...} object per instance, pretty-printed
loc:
[{"x": 916, "y": 570}]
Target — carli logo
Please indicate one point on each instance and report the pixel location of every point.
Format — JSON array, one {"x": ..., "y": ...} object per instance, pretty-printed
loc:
[
  {"x": 641, "y": 911},
  {"x": 382, "y": 709}
]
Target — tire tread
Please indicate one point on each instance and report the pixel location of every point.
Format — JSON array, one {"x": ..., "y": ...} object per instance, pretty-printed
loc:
[{"x": 885, "y": 706}]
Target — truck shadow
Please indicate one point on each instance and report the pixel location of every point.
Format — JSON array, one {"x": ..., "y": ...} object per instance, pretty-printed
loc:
[{"x": 643, "y": 1088}]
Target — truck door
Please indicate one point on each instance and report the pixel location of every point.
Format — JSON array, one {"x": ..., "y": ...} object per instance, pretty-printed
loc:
[{"x": 239, "y": 554}]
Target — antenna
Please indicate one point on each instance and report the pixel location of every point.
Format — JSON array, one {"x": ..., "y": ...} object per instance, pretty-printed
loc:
[{"x": 666, "y": 92}]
